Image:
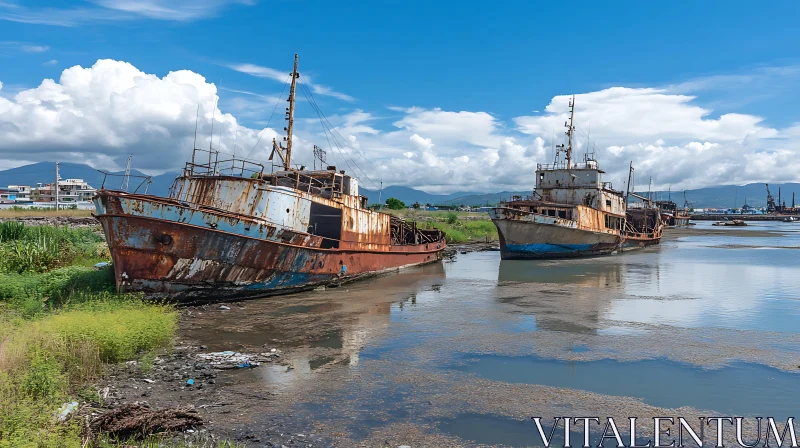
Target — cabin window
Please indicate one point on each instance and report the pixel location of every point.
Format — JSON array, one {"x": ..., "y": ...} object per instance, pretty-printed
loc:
[
  {"x": 608, "y": 202},
  {"x": 326, "y": 222},
  {"x": 612, "y": 222},
  {"x": 562, "y": 214}
]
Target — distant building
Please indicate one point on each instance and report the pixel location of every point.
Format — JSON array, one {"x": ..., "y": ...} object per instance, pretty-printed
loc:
[
  {"x": 7, "y": 196},
  {"x": 15, "y": 194},
  {"x": 69, "y": 191}
]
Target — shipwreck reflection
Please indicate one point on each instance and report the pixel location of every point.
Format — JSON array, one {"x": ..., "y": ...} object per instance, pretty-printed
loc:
[
  {"x": 595, "y": 272},
  {"x": 318, "y": 330}
]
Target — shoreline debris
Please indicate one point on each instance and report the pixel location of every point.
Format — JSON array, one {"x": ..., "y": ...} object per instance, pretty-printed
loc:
[
  {"x": 235, "y": 360},
  {"x": 139, "y": 420},
  {"x": 735, "y": 222}
]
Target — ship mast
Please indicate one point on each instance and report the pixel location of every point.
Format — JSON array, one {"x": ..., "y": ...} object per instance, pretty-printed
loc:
[
  {"x": 285, "y": 153},
  {"x": 570, "y": 131}
]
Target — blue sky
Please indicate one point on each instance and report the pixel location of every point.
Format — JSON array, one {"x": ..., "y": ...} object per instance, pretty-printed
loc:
[{"x": 504, "y": 59}]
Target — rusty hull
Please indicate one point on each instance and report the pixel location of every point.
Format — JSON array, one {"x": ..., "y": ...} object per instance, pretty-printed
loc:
[
  {"x": 644, "y": 227},
  {"x": 526, "y": 235},
  {"x": 195, "y": 253}
]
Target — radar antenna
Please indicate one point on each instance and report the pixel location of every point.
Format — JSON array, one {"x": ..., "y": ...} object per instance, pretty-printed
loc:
[
  {"x": 319, "y": 154},
  {"x": 570, "y": 131}
]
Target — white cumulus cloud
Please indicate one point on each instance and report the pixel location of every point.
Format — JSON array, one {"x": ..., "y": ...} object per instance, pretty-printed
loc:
[
  {"x": 102, "y": 113},
  {"x": 112, "y": 109}
]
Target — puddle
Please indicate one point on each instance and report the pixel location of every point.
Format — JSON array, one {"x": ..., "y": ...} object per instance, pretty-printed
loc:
[{"x": 738, "y": 389}]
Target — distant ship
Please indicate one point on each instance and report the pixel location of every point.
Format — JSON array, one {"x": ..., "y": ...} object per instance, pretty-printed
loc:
[
  {"x": 573, "y": 212},
  {"x": 644, "y": 222},
  {"x": 229, "y": 229},
  {"x": 673, "y": 215}
]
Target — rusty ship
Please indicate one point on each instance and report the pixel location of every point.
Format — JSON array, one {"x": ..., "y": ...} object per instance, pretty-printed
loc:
[
  {"x": 571, "y": 213},
  {"x": 672, "y": 215},
  {"x": 644, "y": 222},
  {"x": 229, "y": 229}
]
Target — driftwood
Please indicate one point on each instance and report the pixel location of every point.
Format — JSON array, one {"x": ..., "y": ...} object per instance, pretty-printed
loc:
[{"x": 139, "y": 420}]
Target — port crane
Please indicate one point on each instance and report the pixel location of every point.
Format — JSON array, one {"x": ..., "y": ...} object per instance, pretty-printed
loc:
[{"x": 770, "y": 201}]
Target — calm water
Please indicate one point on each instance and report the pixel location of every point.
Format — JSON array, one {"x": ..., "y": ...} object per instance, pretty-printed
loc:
[
  {"x": 403, "y": 349},
  {"x": 730, "y": 282},
  {"x": 759, "y": 390}
]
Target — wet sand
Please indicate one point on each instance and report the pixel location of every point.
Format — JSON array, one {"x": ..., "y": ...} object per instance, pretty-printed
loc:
[{"x": 694, "y": 231}]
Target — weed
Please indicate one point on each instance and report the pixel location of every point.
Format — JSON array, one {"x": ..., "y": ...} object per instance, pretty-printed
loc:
[
  {"x": 120, "y": 329},
  {"x": 11, "y": 230},
  {"x": 147, "y": 361},
  {"x": 44, "y": 378},
  {"x": 42, "y": 248},
  {"x": 34, "y": 293},
  {"x": 46, "y": 360}
]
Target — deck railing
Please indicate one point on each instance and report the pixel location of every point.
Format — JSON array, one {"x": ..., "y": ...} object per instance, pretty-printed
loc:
[
  {"x": 145, "y": 182},
  {"x": 215, "y": 167}
]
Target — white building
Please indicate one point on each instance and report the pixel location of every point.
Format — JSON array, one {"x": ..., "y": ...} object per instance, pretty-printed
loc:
[
  {"x": 15, "y": 194},
  {"x": 70, "y": 191}
]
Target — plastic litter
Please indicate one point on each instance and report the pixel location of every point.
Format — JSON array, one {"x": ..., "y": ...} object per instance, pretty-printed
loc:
[
  {"x": 223, "y": 307},
  {"x": 235, "y": 360},
  {"x": 102, "y": 264},
  {"x": 148, "y": 380},
  {"x": 66, "y": 409},
  {"x": 190, "y": 382}
]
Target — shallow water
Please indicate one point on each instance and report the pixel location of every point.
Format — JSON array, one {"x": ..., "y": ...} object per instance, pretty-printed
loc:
[
  {"x": 759, "y": 390},
  {"x": 703, "y": 321}
]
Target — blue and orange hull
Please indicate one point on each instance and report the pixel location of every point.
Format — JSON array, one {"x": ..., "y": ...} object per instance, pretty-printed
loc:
[
  {"x": 167, "y": 249},
  {"x": 534, "y": 236}
]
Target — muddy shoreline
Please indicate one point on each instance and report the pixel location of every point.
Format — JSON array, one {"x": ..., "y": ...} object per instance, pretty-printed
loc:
[
  {"x": 338, "y": 379},
  {"x": 678, "y": 232}
]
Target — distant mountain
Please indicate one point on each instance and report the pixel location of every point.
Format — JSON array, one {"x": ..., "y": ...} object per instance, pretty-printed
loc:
[
  {"x": 485, "y": 198},
  {"x": 408, "y": 195},
  {"x": 732, "y": 196},
  {"x": 44, "y": 172},
  {"x": 726, "y": 196}
]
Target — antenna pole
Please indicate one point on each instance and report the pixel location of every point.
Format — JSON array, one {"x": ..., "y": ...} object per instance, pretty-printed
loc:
[
  {"x": 235, "y": 136},
  {"x": 196, "y": 118},
  {"x": 126, "y": 177},
  {"x": 628, "y": 187},
  {"x": 55, "y": 188},
  {"x": 290, "y": 117},
  {"x": 211, "y": 140},
  {"x": 570, "y": 130}
]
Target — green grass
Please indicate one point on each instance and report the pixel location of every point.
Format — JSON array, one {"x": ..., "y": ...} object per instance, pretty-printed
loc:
[
  {"x": 61, "y": 323},
  {"x": 46, "y": 361},
  {"x": 36, "y": 293},
  {"x": 460, "y": 230},
  {"x": 42, "y": 248}
]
